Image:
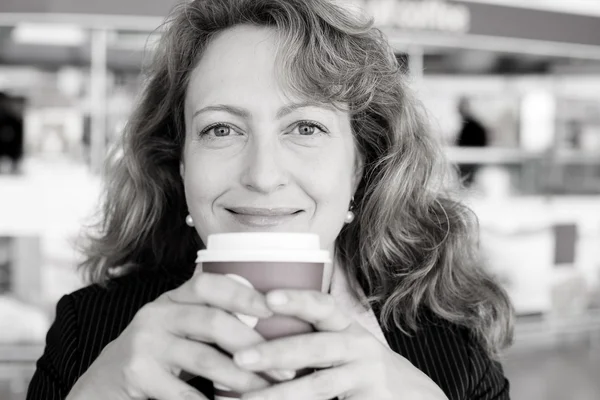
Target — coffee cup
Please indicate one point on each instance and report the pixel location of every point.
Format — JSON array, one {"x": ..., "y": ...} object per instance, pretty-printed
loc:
[{"x": 267, "y": 261}]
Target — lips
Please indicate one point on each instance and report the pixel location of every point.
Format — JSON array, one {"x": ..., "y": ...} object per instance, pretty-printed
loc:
[
  {"x": 263, "y": 217},
  {"x": 265, "y": 212}
]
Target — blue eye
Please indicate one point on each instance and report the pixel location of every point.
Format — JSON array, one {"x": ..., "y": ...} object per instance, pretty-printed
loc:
[
  {"x": 219, "y": 130},
  {"x": 307, "y": 128},
  {"x": 222, "y": 130}
]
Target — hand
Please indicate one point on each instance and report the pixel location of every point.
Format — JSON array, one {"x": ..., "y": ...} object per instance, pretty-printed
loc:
[
  {"x": 175, "y": 333},
  {"x": 357, "y": 365}
]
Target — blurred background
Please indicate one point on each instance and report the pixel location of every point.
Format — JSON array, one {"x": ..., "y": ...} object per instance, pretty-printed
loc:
[{"x": 513, "y": 91}]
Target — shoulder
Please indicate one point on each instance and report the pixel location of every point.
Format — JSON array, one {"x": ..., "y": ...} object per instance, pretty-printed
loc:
[
  {"x": 451, "y": 356},
  {"x": 124, "y": 295},
  {"x": 86, "y": 321},
  {"x": 144, "y": 285},
  {"x": 101, "y": 313}
]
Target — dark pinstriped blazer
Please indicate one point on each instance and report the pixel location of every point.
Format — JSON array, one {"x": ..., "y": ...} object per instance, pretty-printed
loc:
[{"x": 90, "y": 318}]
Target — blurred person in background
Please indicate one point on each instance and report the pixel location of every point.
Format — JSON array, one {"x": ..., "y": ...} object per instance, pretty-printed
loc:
[
  {"x": 259, "y": 105},
  {"x": 11, "y": 133},
  {"x": 472, "y": 134}
]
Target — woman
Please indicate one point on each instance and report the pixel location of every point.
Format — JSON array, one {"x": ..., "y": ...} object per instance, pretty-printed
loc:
[{"x": 288, "y": 115}]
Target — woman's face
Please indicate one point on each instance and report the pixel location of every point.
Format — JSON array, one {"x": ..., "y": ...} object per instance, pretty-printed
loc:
[{"x": 257, "y": 158}]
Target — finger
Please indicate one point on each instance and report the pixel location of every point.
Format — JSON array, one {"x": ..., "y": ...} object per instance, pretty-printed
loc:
[
  {"x": 317, "y": 308},
  {"x": 206, "y": 361},
  {"x": 220, "y": 291},
  {"x": 165, "y": 386},
  {"x": 212, "y": 325},
  {"x": 209, "y": 324},
  {"x": 324, "y": 384},
  {"x": 304, "y": 351}
]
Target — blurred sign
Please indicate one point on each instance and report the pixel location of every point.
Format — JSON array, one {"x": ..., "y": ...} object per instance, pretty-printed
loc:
[
  {"x": 434, "y": 15},
  {"x": 484, "y": 19},
  {"x": 522, "y": 23}
]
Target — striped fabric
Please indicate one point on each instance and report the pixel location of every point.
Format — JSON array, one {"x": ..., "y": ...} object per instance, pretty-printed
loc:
[{"x": 87, "y": 320}]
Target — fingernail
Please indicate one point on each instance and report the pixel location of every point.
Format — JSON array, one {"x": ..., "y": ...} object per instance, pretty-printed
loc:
[
  {"x": 277, "y": 298},
  {"x": 263, "y": 311},
  {"x": 247, "y": 357},
  {"x": 261, "y": 308},
  {"x": 283, "y": 374}
]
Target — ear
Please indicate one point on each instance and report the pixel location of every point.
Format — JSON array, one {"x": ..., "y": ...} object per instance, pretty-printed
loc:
[
  {"x": 181, "y": 170},
  {"x": 359, "y": 165}
]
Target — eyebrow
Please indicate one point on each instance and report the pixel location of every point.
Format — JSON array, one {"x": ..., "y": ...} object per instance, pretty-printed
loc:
[{"x": 283, "y": 111}]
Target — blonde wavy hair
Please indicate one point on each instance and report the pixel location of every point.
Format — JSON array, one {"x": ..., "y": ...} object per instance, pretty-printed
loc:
[{"x": 413, "y": 245}]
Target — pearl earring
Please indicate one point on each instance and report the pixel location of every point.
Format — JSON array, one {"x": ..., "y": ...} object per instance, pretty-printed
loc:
[
  {"x": 189, "y": 220},
  {"x": 349, "y": 217}
]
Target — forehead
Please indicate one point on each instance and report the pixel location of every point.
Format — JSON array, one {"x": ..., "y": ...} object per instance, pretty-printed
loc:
[
  {"x": 237, "y": 58},
  {"x": 239, "y": 65}
]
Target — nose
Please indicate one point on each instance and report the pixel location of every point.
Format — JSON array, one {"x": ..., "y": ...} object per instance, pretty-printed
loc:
[{"x": 264, "y": 170}]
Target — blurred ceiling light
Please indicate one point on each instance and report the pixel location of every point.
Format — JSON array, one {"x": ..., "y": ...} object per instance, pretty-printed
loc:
[{"x": 49, "y": 34}]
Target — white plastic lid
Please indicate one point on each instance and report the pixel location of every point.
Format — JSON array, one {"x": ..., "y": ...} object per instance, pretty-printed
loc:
[{"x": 263, "y": 246}]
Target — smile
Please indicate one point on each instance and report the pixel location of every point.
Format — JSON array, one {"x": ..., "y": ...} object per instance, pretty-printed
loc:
[{"x": 263, "y": 217}]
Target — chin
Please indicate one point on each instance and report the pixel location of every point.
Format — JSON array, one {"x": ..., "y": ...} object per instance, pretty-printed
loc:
[{"x": 277, "y": 228}]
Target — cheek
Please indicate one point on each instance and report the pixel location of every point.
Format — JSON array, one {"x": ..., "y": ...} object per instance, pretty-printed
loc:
[
  {"x": 335, "y": 176},
  {"x": 332, "y": 186},
  {"x": 203, "y": 181},
  {"x": 334, "y": 201},
  {"x": 202, "y": 187},
  {"x": 332, "y": 207}
]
